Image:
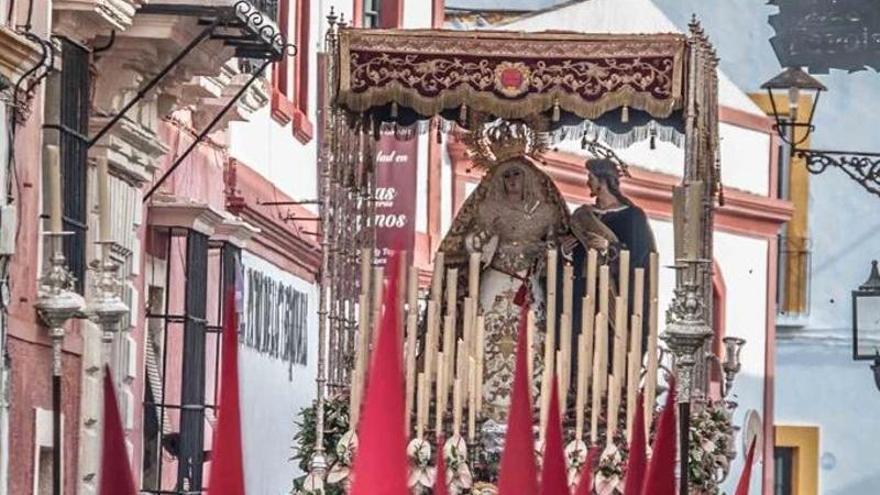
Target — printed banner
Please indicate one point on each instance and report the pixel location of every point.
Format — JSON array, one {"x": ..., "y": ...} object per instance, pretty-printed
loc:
[{"x": 396, "y": 171}]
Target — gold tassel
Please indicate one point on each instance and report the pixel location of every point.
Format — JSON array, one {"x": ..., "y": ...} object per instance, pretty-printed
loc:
[
  {"x": 555, "y": 110},
  {"x": 624, "y": 114},
  {"x": 462, "y": 114},
  {"x": 393, "y": 109}
]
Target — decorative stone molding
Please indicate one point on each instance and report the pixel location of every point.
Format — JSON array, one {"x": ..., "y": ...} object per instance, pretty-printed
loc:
[
  {"x": 172, "y": 211},
  {"x": 17, "y": 54},
  {"x": 131, "y": 149},
  {"x": 220, "y": 89},
  {"x": 235, "y": 231},
  {"x": 83, "y": 20}
]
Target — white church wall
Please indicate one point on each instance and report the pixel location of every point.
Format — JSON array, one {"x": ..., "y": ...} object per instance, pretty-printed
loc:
[{"x": 272, "y": 393}]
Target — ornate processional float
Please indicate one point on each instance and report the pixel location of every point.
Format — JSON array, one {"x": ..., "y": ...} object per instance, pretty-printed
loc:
[{"x": 593, "y": 322}]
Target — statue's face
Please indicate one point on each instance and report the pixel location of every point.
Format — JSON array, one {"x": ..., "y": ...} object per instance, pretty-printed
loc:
[{"x": 513, "y": 180}]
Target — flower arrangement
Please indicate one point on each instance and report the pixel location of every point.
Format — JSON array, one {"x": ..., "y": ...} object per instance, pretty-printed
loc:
[
  {"x": 711, "y": 440},
  {"x": 336, "y": 424}
]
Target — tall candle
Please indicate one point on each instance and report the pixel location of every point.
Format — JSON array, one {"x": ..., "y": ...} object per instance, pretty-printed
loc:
[
  {"x": 611, "y": 415},
  {"x": 564, "y": 358},
  {"x": 565, "y": 326},
  {"x": 451, "y": 292},
  {"x": 53, "y": 189},
  {"x": 104, "y": 199},
  {"x": 601, "y": 354},
  {"x": 587, "y": 320},
  {"x": 651, "y": 372},
  {"x": 440, "y": 400},
  {"x": 474, "y": 276},
  {"x": 599, "y": 372},
  {"x": 411, "y": 329},
  {"x": 620, "y": 334},
  {"x": 638, "y": 301},
  {"x": 635, "y": 367},
  {"x": 366, "y": 264},
  {"x": 546, "y": 385},
  {"x": 623, "y": 283},
  {"x": 530, "y": 345},
  {"x": 467, "y": 338},
  {"x": 448, "y": 352},
  {"x": 378, "y": 289},
  {"x": 481, "y": 350},
  {"x": 551, "y": 296},
  {"x": 437, "y": 277},
  {"x": 422, "y": 398},
  {"x": 591, "y": 268},
  {"x": 430, "y": 341},
  {"x": 472, "y": 401},
  {"x": 456, "y": 407},
  {"x": 581, "y": 386},
  {"x": 603, "y": 289},
  {"x": 652, "y": 365},
  {"x": 461, "y": 363}
]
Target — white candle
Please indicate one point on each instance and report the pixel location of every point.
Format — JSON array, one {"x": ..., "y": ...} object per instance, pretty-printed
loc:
[
  {"x": 635, "y": 367},
  {"x": 581, "y": 385},
  {"x": 474, "y": 276},
  {"x": 592, "y": 266},
  {"x": 623, "y": 282},
  {"x": 603, "y": 289},
  {"x": 651, "y": 374},
  {"x": 53, "y": 189},
  {"x": 375, "y": 316},
  {"x": 472, "y": 402},
  {"x": 481, "y": 349},
  {"x": 456, "y": 405},
  {"x": 437, "y": 277},
  {"x": 611, "y": 415},
  {"x": 620, "y": 334},
  {"x": 440, "y": 404},
  {"x": 448, "y": 352},
  {"x": 411, "y": 329},
  {"x": 430, "y": 342},
  {"x": 420, "y": 413},
  {"x": 598, "y": 374},
  {"x": 530, "y": 345}
]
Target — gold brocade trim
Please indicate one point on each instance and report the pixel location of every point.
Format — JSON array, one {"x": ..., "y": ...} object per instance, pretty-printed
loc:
[{"x": 562, "y": 46}]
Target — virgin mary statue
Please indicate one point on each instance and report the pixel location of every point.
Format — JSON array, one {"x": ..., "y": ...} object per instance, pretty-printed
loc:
[{"x": 515, "y": 214}]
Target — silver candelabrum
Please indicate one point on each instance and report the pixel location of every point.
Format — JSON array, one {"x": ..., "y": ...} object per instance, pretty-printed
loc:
[
  {"x": 686, "y": 333},
  {"x": 106, "y": 307},
  {"x": 56, "y": 303}
]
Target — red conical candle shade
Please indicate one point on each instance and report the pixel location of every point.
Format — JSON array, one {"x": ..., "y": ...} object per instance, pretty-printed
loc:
[
  {"x": 554, "y": 480},
  {"x": 227, "y": 471},
  {"x": 519, "y": 474},
  {"x": 585, "y": 484},
  {"x": 440, "y": 480},
  {"x": 116, "y": 477},
  {"x": 745, "y": 480},
  {"x": 660, "y": 477},
  {"x": 637, "y": 462},
  {"x": 380, "y": 466}
]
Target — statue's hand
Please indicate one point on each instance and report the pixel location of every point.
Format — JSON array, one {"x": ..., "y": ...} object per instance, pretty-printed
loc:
[{"x": 568, "y": 244}]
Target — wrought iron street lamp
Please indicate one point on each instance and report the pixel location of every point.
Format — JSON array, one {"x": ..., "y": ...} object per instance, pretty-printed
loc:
[
  {"x": 866, "y": 322},
  {"x": 862, "y": 167}
]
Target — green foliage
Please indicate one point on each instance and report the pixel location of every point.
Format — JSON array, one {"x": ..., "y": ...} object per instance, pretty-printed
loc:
[{"x": 336, "y": 423}]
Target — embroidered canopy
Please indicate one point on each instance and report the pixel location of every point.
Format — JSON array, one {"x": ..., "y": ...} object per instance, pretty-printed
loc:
[{"x": 510, "y": 75}]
